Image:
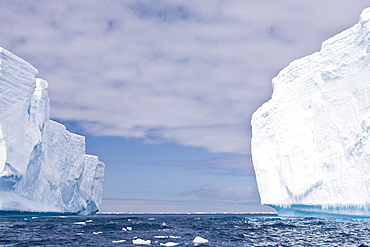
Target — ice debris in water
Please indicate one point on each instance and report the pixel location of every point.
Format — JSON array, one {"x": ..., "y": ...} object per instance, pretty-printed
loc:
[
  {"x": 200, "y": 240},
  {"x": 119, "y": 241},
  {"x": 169, "y": 244},
  {"x": 43, "y": 166},
  {"x": 139, "y": 241},
  {"x": 311, "y": 140},
  {"x": 80, "y": 223},
  {"x": 162, "y": 237}
]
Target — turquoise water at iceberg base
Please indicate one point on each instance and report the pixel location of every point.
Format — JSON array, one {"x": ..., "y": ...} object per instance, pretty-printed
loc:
[{"x": 182, "y": 230}]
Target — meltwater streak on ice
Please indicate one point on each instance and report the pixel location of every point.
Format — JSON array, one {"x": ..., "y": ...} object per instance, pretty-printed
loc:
[
  {"x": 310, "y": 141},
  {"x": 43, "y": 167}
]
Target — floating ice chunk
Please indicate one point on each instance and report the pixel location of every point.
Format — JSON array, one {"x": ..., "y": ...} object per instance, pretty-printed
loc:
[
  {"x": 129, "y": 228},
  {"x": 199, "y": 240},
  {"x": 169, "y": 244},
  {"x": 175, "y": 236},
  {"x": 96, "y": 233},
  {"x": 80, "y": 223},
  {"x": 139, "y": 241},
  {"x": 89, "y": 221},
  {"x": 119, "y": 241}
]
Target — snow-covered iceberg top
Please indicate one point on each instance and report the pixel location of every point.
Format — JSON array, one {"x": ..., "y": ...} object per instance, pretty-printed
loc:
[
  {"x": 43, "y": 167},
  {"x": 311, "y": 140}
]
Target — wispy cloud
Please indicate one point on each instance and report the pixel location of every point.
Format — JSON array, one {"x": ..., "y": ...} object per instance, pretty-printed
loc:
[
  {"x": 186, "y": 71},
  {"x": 228, "y": 164},
  {"x": 236, "y": 195}
]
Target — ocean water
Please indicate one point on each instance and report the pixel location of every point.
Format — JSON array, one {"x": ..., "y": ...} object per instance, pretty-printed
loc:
[{"x": 182, "y": 230}]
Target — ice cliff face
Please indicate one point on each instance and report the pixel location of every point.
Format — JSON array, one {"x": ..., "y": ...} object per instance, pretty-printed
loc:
[
  {"x": 311, "y": 140},
  {"x": 43, "y": 167}
]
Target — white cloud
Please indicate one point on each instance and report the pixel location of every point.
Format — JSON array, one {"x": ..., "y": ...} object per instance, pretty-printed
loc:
[{"x": 186, "y": 71}]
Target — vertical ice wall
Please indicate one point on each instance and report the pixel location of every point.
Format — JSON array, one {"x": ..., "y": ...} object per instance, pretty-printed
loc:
[
  {"x": 44, "y": 166},
  {"x": 310, "y": 141}
]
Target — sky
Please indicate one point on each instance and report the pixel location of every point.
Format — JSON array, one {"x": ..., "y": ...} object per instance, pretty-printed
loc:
[{"x": 164, "y": 90}]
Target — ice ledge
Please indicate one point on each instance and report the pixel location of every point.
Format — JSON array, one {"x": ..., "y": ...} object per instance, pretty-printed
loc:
[
  {"x": 365, "y": 15},
  {"x": 8, "y": 55},
  {"x": 300, "y": 210}
]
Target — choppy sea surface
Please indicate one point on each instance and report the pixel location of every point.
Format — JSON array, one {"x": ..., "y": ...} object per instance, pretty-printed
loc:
[{"x": 182, "y": 230}]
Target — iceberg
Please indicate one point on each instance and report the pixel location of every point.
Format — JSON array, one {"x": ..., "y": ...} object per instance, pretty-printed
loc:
[
  {"x": 311, "y": 141},
  {"x": 43, "y": 166}
]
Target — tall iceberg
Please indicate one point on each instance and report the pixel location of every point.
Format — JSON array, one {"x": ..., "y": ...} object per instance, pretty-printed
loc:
[
  {"x": 43, "y": 167},
  {"x": 311, "y": 140}
]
